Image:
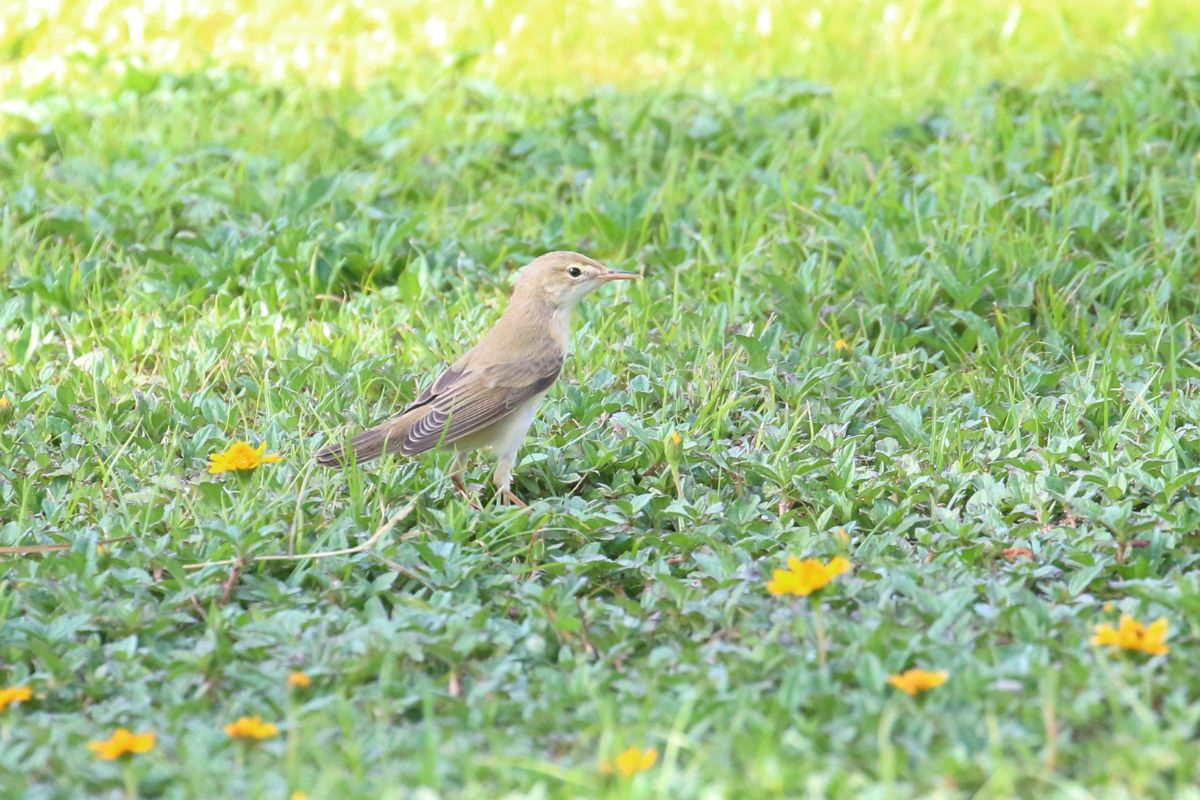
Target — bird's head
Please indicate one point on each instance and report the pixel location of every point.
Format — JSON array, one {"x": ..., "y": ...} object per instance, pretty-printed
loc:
[{"x": 562, "y": 278}]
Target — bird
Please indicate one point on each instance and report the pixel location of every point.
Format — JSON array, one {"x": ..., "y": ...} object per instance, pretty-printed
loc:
[{"x": 488, "y": 398}]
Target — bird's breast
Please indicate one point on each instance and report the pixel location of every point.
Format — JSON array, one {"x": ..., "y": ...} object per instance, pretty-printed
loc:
[
  {"x": 504, "y": 436},
  {"x": 560, "y": 329}
]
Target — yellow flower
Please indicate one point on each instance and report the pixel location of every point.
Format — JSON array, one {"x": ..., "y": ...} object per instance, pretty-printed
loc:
[
  {"x": 632, "y": 761},
  {"x": 299, "y": 796},
  {"x": 122, "y": 742},
  {"x": 6, "y": 409},
  {"x": 14, "y": 694},
  {"x": 841, "y": 344},
  {"x": 676, "y": 439},
  {"x": 915, "y": 681},
  {"x": 805, "y": 577},
  {"x": 1133, "y": 635},
  {"x": 251, "y": 728},
  {"x": 299, "y": 680},
  {"x": 241, "y": 457}
]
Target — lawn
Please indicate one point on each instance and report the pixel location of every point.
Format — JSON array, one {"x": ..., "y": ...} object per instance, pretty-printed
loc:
[{"x": 920, "y": 292}]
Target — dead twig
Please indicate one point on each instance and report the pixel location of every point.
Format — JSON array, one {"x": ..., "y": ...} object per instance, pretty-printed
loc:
[
  {"x": 200, "y": 612},
  {"x": 345, "y": 551},
  {"x": 231, "y": 581},
  {"x": 32, "y": 549},
  {"x": 403, "y": 570}
]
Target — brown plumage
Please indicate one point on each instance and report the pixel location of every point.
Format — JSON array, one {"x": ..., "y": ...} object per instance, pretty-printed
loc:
[{"x": 488, "y": 398}]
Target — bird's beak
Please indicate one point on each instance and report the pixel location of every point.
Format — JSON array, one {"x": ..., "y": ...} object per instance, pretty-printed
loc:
[{"x": 618, "y": 275}]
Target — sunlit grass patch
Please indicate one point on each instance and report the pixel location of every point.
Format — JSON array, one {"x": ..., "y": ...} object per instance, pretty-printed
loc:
[{"x": 873, "y": 48}]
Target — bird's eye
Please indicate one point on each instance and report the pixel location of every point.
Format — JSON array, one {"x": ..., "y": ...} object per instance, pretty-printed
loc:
[{"x": 574, "y": 272}]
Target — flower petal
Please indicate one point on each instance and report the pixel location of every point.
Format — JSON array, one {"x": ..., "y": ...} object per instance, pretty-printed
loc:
[{"x": 839, "y": 566}]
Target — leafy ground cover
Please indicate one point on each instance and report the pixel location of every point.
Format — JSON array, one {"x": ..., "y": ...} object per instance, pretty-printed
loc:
[{"x": 936, "y": 317}]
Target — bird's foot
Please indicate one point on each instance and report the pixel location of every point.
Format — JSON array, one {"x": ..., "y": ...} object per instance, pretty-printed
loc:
[
  {"x": 462, "y": 487},
  {"x": 508, "y": 495}
]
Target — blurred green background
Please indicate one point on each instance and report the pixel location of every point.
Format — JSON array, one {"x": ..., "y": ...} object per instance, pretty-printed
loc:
[{"x": 890, "y": 52}]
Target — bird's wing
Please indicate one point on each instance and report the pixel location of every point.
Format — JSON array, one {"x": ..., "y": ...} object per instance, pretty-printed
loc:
[
  {"x": 465, "y": 400},
  {"x": 439, "y": 386}
]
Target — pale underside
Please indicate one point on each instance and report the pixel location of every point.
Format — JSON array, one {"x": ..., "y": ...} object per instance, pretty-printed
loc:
[{"x": 502, "y": 438}]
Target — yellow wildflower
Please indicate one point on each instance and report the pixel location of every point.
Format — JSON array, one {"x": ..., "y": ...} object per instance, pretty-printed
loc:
[
  {"x": 915, "y": 681},
  {"x": 122, "y": 742},
  {"x": 805, "y": 577},
  {"x": 841, "y": 344},
  {"x": 14, "y": 694},
  {"x": 6, "y": 409},
  {"x": 1133, "y": 635},
  {"x": 251, "y": 728},
  {"x": 298, "y": 680},
  {"x": 676, "y": 439},
  {"x": 631, "y": 762},
  {"x": 299, "y": 796},
  {"x": 241, "y": 457}
]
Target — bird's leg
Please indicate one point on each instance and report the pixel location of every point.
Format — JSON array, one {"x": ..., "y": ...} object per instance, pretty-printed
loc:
[
  {"x": 508, "y": 495},
  {"x": 456, "y": 477},
  {"x": 503, "y": 480}
]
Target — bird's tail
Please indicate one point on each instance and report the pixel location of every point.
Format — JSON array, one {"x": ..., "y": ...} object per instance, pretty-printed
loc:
[{"x": 368, "y": 445}]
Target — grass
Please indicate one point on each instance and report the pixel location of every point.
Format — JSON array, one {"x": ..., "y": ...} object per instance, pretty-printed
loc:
[{"x": 914, "y": 323}]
